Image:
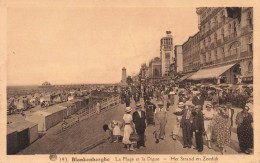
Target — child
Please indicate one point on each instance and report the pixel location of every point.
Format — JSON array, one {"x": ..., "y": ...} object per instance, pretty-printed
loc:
[{"x": 113, "y": 130}]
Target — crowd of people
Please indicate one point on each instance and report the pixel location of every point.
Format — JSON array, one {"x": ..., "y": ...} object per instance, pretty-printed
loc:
[{"x": 201, "y": 112}]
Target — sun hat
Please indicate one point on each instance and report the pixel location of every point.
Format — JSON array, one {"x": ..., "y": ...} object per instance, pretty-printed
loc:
[
  {"x": 138, "y": 105},
  {"x": 180, "y": 104},
  {"x": 160, "y": 103},
  {"x": 128, "y": 109}
]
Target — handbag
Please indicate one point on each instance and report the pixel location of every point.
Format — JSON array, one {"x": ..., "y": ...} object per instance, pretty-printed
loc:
[{"x": 134, "y": 137}]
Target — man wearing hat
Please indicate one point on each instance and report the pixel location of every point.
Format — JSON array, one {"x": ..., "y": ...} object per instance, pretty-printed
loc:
[
  {"x": 198, "y": 99},
  {"x": 198, "y": 127},
  {"x": 208, "y": 116},
  {"x": 186, "y": 124},
  {"x": 178, "y": 120},
  {"x": 139, "y": 119},
  {"x": 160, "y": 117}
]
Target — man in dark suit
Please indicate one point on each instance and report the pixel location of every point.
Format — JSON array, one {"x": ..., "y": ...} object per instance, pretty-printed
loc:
[
  {"x": 198, "y": 100},
  {"x": 139, "y": 119},
  {"x": 127, "y": 99},
  {"x": 198, "y": 126},
  {"x": 186, "y": 124}
]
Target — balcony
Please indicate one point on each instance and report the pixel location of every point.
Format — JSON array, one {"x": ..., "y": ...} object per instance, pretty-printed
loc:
[
  {"x": 229, "y": 58},
  {"x": 217, "y": 61},
  {"x": 226, "y": 39}
]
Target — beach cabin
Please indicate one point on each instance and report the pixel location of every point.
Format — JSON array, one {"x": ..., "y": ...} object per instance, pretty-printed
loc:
[
  {"x": 47, "y": 118},
  {"x": 27, "y": 132},
  {"x": 70, "y": 107},
  {"x": 12, "y": 141},
  {"x": 78, "y": 103}
]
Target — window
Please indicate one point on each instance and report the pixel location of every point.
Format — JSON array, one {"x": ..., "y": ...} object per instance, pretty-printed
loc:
[
  {"x": 209, "y": 56},
  {"x": 209, "y": 24},
  {"x": 223, "y": 50},
  {"x": 216, "y": 21},
  {"x": 167, "y": 55},
  {"x": 216, "y": 37},
  {"x": 234, "y": 48},
  {"x": 223, "y": 16},
  {"x": 209, "y": 39},
  {"x": 234, "y": 28},
  {"x": 250, "y": 48},
  {"x": 250, "y": 66},
  {"x": 216, "y": 54},
  {"x": 204, "y": 42},
  {"x": 229, "y": 29},
  {"x": 249, "y": 18},
  {"x": 222, "y": 33}
]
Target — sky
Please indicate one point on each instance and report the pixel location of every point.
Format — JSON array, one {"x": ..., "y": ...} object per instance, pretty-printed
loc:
[{"x": 74, "y": 45}]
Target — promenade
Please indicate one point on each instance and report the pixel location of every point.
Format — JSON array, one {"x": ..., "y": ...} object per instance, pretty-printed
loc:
[{"x": 88, "y": 137}]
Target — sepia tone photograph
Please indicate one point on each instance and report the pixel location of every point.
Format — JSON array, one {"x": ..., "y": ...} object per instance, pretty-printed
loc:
[{"x": 153, "y": 80}]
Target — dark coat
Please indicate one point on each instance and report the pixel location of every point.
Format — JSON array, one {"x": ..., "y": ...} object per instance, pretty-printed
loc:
[
  {"x": 198, "y": 122},
  {"x": 196, "y": 101},
  {"x": 139, "y": 122},
  {"x": 184, "y": 113},
  {"x": 148, "y": 102}
]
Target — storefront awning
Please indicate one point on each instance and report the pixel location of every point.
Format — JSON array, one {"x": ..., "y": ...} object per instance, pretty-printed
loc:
[
  {"x": 210, "y": 73},
  {"x": 186, "y": 76}
]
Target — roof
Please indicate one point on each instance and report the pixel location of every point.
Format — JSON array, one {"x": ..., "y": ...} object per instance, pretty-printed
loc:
[
  {"x": 54, "y": 109},
  {"x": 186, "y": 76},
  {"x": 66, "y": 104},
  {"x": 19, "y": 126},
  {"x": 210, "y": 73},
  {"x": 10, "y": 130},
  {"x": 41, "y": 113}
]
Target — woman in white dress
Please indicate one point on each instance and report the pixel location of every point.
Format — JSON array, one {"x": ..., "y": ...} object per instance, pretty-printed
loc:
[{"x": 128, "y": 129}]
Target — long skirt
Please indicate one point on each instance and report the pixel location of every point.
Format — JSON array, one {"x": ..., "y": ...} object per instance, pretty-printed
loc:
[
  {"x": 208, "y": 129},
  {"x": 127, "y": 131},
  {"x": 245, "y": 136}
]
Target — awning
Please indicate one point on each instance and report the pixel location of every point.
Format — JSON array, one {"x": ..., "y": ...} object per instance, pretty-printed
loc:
[
  {"x": 210, "y": 73},
  {"x": 185, "y": 76}
]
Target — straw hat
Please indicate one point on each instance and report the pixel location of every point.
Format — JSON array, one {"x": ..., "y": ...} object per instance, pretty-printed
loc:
[
  {"x": 128, "y": 109},
  {"x": 208, "y": 106},
  {"x": 181, "y": 104},
  {"x": 138, "y": 105},
  {"x": 160, "y": 103}
]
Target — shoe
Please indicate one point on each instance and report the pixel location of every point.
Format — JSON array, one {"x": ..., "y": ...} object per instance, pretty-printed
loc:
[
  {"x": 144, "y": 146},
  {"x": 185, "y": 146},
  {"x": 200, "y": 150},
  {"x": 247, "y": 152},
  {"x": 131, "y": 149},
  {"x": 189, "y": 146},
  {"x": 157, "y": 141}
]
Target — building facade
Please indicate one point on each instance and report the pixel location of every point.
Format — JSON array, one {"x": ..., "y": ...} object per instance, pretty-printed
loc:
[
  {"x": 155, "y": 71},
  {"x": 166, "y": 53},
  {"x": 178, "y": 59},
  {"x": 226, "y": 38},
  {"x": 190, "y": 53}
]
